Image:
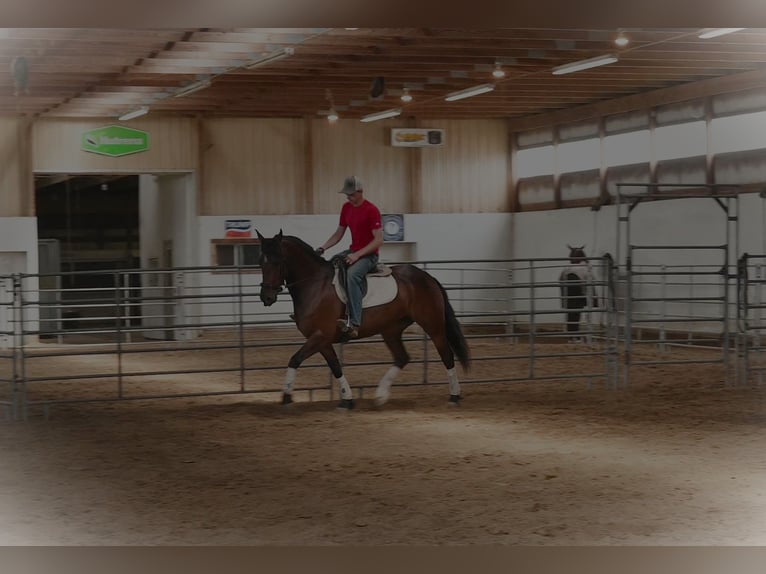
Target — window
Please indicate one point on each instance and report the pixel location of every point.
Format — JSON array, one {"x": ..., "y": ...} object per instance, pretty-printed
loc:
[
  {"x": 626, "y": 148},
  {"x": 238, "y": 252},
  {"x": 579, "y": 155},
  {"x": 680, "y": 140},
  {"x": 738, "y": 133},
  {"x": 534, "y": 161}
]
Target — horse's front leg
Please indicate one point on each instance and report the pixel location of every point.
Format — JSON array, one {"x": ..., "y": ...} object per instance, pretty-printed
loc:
[
  {"x": 346, "y": 398},
  {"x": 312, "y": 345}
]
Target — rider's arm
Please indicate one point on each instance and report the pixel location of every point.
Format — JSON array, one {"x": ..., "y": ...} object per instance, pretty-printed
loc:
[
  {"x": 372, "y": 246},
  {"x": 334, "y": 238}
]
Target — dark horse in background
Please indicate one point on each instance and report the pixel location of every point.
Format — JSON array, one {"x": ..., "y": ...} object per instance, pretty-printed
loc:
[
  {"x": 288, "y": 260},
  {"x": 576, "y": 283}
]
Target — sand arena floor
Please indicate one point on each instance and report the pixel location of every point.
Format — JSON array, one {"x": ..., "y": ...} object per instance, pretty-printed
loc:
[{"x": 675, "y": 459}]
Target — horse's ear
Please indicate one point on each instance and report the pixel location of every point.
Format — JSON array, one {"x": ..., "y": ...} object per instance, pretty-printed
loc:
[
  {"x": 258, "y": 233},
  {"x": 279, "y": 235}
]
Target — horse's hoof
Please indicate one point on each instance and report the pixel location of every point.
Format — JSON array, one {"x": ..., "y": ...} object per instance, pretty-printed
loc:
[
  {"x": 454, "y": 400},
  {"x": 345, "y": 405},
  {"x": 380, "y": 400},
  {"x": 287, "y": 399}
]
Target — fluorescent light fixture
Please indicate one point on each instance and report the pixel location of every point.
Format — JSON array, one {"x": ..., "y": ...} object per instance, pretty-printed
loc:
[
  {"x": 191, "y": 88},
  {"x": 382, "y": 115},
  {"x": 134, "y": 114},
  {"x": 715, "y": 32},
  {"x": 585, "y": 64},
  {"x": 269, "y": 58},
  {"x": 468, "y": 92}
]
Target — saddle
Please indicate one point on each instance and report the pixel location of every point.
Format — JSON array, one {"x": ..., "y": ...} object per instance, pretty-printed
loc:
[{"x": 380, "y": 288}]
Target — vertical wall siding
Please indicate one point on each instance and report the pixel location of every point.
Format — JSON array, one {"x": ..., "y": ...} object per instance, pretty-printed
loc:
[
  {"x": 253, "y": 166},
  {"x": 296, "y": 166},
  {"x": 470, "y": 173},
  {"x": 349, "y": 147},
  {"x": 173, "y": 145},
  {"x": 12, "y": 186}
]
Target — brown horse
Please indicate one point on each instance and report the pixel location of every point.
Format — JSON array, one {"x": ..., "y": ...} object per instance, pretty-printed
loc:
[{"x": 287, "y": 260}]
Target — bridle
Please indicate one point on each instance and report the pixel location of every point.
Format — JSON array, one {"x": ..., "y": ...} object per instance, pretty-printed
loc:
[{"x": 283, "y": 274}]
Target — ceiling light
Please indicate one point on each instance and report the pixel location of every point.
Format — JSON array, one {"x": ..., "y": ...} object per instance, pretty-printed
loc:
[
  {"x": 715, "y": 32},
  {"x": 332, "y": 116},
  {"x": 585, "y": 64},
  {"x": 498, "y": 72},
  {"x": 382, "y": 115},
  {"x": 269, "y": 58},
  {"x": 143, "y": 110},
  {"x": 468, "y": 92},
  {"x": 191, "y": 88},
  {"x": 621, "y": 40},
  {"x": 406, "y": 96}
]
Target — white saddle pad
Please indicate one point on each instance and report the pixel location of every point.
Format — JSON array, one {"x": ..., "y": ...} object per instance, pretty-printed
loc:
[{"x": 381, "y": 289}]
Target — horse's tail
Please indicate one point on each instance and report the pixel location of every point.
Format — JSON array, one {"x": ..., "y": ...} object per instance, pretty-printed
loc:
[{"x": 455, "y": 336}]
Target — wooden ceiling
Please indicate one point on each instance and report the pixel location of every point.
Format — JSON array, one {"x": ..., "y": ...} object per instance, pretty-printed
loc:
[{"x": 92, "y": 72}]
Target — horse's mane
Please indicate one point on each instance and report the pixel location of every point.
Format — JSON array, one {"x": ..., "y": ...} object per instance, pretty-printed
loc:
[{"x": 305, "y": 247}]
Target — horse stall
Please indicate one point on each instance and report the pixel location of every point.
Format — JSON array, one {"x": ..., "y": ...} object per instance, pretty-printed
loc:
[{"x": 547, "y": 446}]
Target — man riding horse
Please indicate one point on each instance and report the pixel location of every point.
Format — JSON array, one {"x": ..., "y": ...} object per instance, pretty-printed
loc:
[{"x": 363, "y": 218}]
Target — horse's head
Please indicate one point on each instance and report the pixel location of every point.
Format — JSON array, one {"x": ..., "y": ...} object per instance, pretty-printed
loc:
[
  {"x": 272, "y": 267},
  {"x": 577, "y": 254}
]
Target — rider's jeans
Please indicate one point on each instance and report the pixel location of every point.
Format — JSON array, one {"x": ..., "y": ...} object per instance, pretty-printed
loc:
[{"x": 355, "y": 287}]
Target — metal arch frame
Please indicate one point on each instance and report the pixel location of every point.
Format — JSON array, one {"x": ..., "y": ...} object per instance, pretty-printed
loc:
[{"x": 722, "y": 194}]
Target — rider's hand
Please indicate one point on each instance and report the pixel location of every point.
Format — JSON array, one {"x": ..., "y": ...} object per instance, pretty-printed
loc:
[
  {"x": 319, "y": 250},
  {"x": 352, "y": 258}
]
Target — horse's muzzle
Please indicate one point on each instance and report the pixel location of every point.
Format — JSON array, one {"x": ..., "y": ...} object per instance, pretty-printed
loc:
[
  {"x": 269, "y": 294},
  {"x": 268, "y": 297}
]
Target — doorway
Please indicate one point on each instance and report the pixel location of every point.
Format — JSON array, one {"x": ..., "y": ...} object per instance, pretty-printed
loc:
[{"x": 94, "y": 220}]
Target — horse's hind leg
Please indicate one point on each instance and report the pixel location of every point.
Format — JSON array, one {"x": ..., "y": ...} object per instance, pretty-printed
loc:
[
  {"x": 346, "y": 398},
  {"x": 448, "y": 358},
  {"x": 393, "y": 340}
]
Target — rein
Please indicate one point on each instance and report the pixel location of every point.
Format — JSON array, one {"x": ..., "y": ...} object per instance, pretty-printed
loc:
[{"x": 278, "y": 288}]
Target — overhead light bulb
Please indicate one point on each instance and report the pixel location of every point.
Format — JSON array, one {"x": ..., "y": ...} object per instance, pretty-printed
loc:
[
  {"x": 406, "y": 96},
  {"x": 332, "y": 116},
  {"x": 621, "y": 40},
  {"x": 498, "y": 72}
]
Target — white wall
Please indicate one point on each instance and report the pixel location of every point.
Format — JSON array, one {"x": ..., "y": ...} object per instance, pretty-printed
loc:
[
  {"x": 18, "y": 254},
  {"x": 544, "y": 234},
  {"x": 429, "y": 237}
]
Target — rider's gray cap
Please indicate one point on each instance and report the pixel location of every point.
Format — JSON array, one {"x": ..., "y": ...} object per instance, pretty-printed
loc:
[{"x": 351, "y": 185}]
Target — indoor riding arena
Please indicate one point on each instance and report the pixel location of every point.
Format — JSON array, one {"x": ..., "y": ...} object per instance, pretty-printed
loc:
[{"x": 142, "y": 376}]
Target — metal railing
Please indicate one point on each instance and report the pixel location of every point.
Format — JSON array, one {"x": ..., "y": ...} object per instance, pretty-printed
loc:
[{"x": 189, "y": 332}]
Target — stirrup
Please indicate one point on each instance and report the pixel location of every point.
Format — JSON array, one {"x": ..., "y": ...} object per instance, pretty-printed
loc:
[{"x": 349, "y": 331}]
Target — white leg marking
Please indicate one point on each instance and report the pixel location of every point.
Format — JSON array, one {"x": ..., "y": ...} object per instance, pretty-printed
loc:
[
  {"x": 345, "y": 388},
  {"x": 383, "y": 392},
  {"x": 454, "y": 385},
  {"x": 290, "y": 380}
]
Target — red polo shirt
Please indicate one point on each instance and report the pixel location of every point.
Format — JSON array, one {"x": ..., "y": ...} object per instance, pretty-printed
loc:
[{"x": 362, "y": 221}]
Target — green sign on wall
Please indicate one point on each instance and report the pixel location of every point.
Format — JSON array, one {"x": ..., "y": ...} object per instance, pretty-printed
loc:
[{"x": 115, "y": 141}]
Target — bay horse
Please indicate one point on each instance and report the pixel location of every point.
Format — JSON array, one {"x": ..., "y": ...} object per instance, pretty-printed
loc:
[{"x": 288, "y": 260}]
